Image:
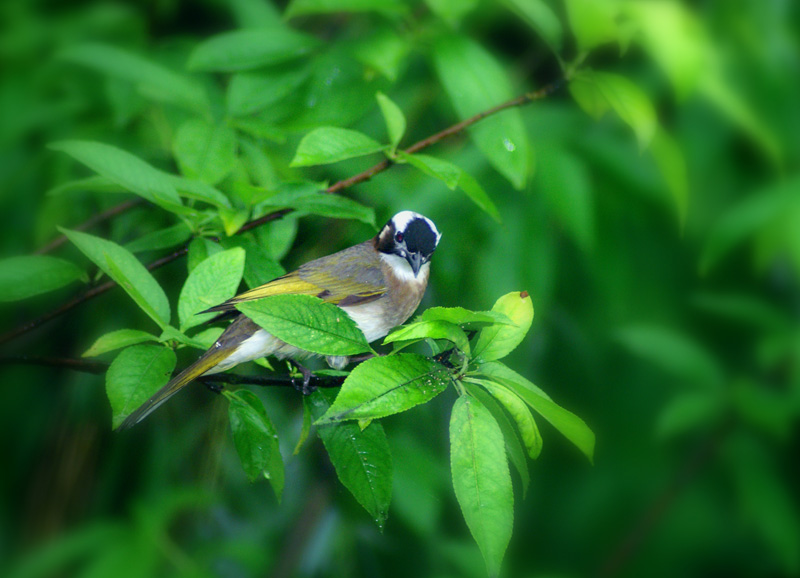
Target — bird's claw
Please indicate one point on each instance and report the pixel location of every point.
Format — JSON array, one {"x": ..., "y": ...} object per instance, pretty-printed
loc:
[{"x": 305, "y": 386}]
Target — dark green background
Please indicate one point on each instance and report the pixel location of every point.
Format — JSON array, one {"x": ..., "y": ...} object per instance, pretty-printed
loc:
[{"x": 678, "y": 345}]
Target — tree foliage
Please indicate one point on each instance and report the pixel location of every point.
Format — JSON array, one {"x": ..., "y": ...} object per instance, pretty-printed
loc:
[{"x": 629, "y": 167}]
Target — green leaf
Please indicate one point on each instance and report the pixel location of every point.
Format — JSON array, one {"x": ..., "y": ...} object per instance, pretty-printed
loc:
[
  {"x": 135, "y": 375},
  {"x": 630, "y": 103},
  {"x": 305, "y": 429},
  {"x": 571, "y": 426},
  {"x": 588, "y": 96},
  {"x": 120, "y": 264},
  {"x": 308, "y": 200},
  {"x": 151, "y": 79},
  {"x": 670, "y": 162},
  {"x": 452, "y": 11},
  {"x": 514, "y": 449},
  {"x": 125, "y": 169},
  {"x": 361, "y": 458},
  {"x": 497, "y": 341},
  {"x": 200, "y": 249},
  {"x": 303, "y": 7},
  {"x": 383, "y": 51},
  {"x": 675, "y": 39},
  {"x": 117, "y": 340},
  {"x": 430, "y": 330},
  {"x": 213, "y": 281},
  {"x": 26, "y": 276},
  {"x": 199, "y": 191},
  {"x": 539, "y": 16},
  {"x": 329, "y": 144},
  {"x": 387, "y": 385},
  {"x": 161, "y": 239},
  {"x": 481, "y": 478},
  {"x": 475, "y": 82},
  {"x": 94, "y": 183},
  {"x": 308, "y": 323},
  {"x": 502, "y": 373},
  {"x": 394, "y": 118},
  {"x": 255, "y": 438},
  {"x": 461, "y": 316},
  {"x": 592, "y": 22},
  {"x": 251, "y": 92},
  {"x": 246, "y": 49},
  {"x": 565, "y": 182},
  {"x": 259, "y": 266},
  {"x": 521, "y": 415},
  {"x": 205, "y": 151},
  {"x": 452, "y": 176}
]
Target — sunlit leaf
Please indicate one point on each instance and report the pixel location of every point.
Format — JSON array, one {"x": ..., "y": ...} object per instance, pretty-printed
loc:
[
  {"x": 117, "y": 340},
  {"x": 384, "y": 386},
  {"x": 571, "y": 426},
  {"x": 393, "y": 117},
  {"x": 120, "y": 264},
  {"x": 329, "y": 144},
  {"x": 213, "y": 281},
  {"x": 308, "y": 323},
  {"x": 481, "y": 478},
  {"x": 497, "y": 341}
]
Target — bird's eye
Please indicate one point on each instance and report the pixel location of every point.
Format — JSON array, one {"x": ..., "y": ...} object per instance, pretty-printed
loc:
[{"x": 399, "y": 237}]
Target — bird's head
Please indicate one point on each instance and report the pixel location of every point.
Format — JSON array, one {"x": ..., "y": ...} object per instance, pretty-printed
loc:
[{"x": 408, "y": 238}]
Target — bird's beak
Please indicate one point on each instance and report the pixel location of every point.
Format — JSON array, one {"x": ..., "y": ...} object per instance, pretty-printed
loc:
[{"x": 415, "y": 260}]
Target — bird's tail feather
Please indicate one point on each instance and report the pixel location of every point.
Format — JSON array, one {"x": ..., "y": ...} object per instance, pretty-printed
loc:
[{"x": 209, "y": 360}]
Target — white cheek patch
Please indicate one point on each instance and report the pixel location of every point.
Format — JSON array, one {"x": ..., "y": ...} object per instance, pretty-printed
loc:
[{"x": 401, "y": 269}]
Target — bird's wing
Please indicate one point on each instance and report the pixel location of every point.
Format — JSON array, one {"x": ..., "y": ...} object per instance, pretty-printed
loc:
[{"x": 335, "y": 279}]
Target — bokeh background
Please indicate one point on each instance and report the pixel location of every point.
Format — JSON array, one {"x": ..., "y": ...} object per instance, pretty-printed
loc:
[{"x": 676, "y": 339}]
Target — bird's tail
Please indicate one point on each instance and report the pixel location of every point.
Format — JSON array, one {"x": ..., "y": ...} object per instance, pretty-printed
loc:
[{"x": 209, "y": 360}]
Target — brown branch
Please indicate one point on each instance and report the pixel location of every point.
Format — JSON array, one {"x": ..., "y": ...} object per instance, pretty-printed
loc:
[
  {"x": 99, "y": 367},
  {"x": 91, "y": 222},
  {"x": 77, "y": 300},
  {"x": 334, "y": 188}
]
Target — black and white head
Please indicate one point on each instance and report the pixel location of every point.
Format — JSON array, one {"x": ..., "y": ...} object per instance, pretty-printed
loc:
[{"x": 407, "y": 242}]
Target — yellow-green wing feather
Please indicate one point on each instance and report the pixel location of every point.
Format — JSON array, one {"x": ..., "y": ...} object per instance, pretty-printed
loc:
[{"x": 347, "y": 277}]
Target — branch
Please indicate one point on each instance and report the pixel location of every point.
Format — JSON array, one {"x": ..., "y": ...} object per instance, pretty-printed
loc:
[
  {"x": 100, "y": 367},
  {"x": 334, "y": 188},
  {"x": 92, "y": 222}
]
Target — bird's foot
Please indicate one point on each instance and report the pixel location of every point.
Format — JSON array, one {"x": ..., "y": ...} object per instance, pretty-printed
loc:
[{"x": 305, "y": 386}]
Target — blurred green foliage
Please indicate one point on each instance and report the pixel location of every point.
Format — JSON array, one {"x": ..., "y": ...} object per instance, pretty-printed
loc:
[{"x": 651, "y": 209}]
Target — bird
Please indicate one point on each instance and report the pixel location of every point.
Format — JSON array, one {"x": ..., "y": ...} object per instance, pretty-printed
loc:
[{"x": 379, "y": 283}]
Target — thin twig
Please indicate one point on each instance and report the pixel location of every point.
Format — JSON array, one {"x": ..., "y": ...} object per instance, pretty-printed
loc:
[
  {"x": 92, "y": 221},
  {"x": 77, "y": 300},
  {"x": 99, "y": 367},
  {"x": 334, "y": 188}
]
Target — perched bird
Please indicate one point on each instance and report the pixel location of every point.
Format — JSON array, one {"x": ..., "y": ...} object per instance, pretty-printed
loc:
[{"x": 379, "y": 283}]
